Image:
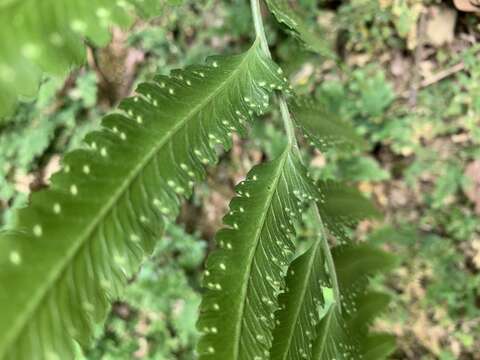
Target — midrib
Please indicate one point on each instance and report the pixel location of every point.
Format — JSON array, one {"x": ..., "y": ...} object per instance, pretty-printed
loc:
[
  {"x": 304, "y": 290},
  {"x": 246, "y": 278},
  {"x": 325, "y": 333},
  {"x": 61, "y": 268}
]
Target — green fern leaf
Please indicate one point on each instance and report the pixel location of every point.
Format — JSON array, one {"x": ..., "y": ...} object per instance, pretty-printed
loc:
[
  {"x": 355, "y": 263},
  {"x": 369, "y": 305},
  {"x": 342, "y": 207},
  {"x": 49, "y": 37},
  {"x": 323, "y": 128},
  {"x": 377, "y": 346},
  {"x": 294, "y": 20},
  {"x": 246, "y": 274},
  {"x": 341, "y": 333},
  {"x": 335, "y": 340},
  {"x": 76, "y": 244},
  {"x": 299, "y": 315}
]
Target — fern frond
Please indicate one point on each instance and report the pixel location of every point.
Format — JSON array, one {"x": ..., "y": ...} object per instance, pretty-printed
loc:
[
  {"x": 341, "y": 340},
  {"x": 356, "y": 262},
  {"x": 377, "y": 346},
  {"x": 335, "y": 339},
  {"x": 48, "y": 36},
  {"x": 294, "y": 20},
  {"x": 73, "y": 248},
  {"x": 370, "y": 304},
  {"x": 299, "y": 315},
  {"x": 342, "y": 207},
  {"x": 342, "y": 333},
  {"x": 246, "y": 274},
  {"x": 323, "y": 128}
]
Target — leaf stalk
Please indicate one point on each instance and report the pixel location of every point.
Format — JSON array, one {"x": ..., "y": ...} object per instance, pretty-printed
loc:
[{"x": 292, "y": 143}]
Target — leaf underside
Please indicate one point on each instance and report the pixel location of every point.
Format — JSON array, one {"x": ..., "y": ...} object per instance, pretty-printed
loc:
[
  {"x": 246, "y": 273},
  {"x": 294, "y": 20},
  {"x": 323, "y": 128},
  {"x": 344, "y": 334},
  {"x": 302, "y": 331},
  {"x": 342, "y": 207},
  {"x": 378, "y": 346},
  {"x": 299, "y": 315},
  {"x": 73, "y": 248}
]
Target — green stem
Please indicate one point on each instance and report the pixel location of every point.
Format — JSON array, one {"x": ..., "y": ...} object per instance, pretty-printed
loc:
[
  {"x": 260, "y": 31},
  {"x": 292, "y": 142},
  {"x": 287, "y": 122},
  {"x": 328, "y": 258}
]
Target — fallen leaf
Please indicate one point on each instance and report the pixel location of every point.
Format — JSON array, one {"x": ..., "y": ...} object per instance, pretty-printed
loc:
[
  {"x": 467, "y": 5},
  {"x": 51, "y": 168},
  {"x": 472, "y": 189},
  {"x": 116, "y": 66},
  {"x": 476, "y": 252},
  {"x": 23, "y": 182},
  {"x": 440, "y": 25}
]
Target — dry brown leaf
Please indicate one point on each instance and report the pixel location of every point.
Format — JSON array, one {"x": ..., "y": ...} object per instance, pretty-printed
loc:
[
  {"x": 116, "y": 66},
  {"x": 23, "y": 182},
  {"x": 476, "y": 252},
  {"x": 427, "y": 333},
  {"x": 472, "y": 190},
  {"x": 440, "y": 25},
  {"x": 467, "y": 5},
  {"x": 51, "y": 168},
  {"x": 358, "y": 59}
]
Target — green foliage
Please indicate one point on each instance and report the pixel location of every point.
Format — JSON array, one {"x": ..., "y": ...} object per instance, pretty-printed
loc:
[
  {"x": 49, "y": 37},
  {"x": 252, "y": 260},
  {"x": 343, "y": 330},
  {"x": 97, "y": 221},
  {"x": 323, "y": 127},
  {"x": 161, "y": 304},
  {"x": 71, "y": 252},
  {"x": 40, "y": 127},
  {"x": 299, "y": 315},
  {"x": 377, "y": 346},
  {"x": 367, "y": 25},
  {"x": 303, "y": 331},
  {"x": 294, "y": 19},
  {"x": 375, "y": 94},
  {"x": 414, "y": 166},
  {"x": 342, "y": 207}
]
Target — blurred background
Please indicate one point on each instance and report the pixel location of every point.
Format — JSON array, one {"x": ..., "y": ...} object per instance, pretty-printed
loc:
[{"x": 406, "y": 73}]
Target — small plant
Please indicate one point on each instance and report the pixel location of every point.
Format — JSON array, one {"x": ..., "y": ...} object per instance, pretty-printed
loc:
[{"x": 72, "y": 250}]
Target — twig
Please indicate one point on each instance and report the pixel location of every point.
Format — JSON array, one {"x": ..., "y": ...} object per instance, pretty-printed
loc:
[
  {"x": 442, "y": 75},
  {"x": 439, "y": 76}
]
